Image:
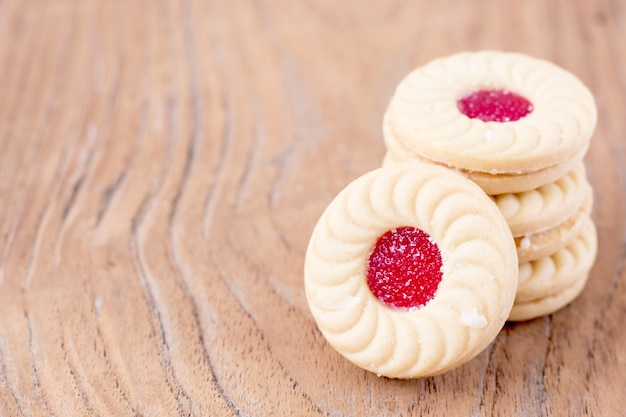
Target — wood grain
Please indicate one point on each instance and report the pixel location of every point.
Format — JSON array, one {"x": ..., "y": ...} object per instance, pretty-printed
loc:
[{"x": 163, "y": 164}]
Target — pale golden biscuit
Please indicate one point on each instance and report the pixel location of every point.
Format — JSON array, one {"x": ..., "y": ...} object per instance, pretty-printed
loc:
[
  {"x": 550, "y": 304},
  {"x": 424, "y": 113},
  {"x": 475, "y": 294},
  {"x": 540, "y": 209},
  {"x": 397, "y": 152},
  {"x": 542, "y": 244},
  {"x": 550, "y": 275}
]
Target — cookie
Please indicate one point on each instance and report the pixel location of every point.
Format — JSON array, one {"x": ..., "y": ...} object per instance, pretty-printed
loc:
[
  {"x": 493, "y": 112},
  {"x": 542, "y": 244},
  {"x": 549, "y": 304},
  {"x": 410, "y": 271},
  {"x": 553, "y": 274},
  {"x": 540, "y": 209},
  {"x": 490, "y": 183}
]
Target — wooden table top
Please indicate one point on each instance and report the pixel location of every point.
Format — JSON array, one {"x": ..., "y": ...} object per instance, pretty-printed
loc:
[{"x": 164, "y": 162}]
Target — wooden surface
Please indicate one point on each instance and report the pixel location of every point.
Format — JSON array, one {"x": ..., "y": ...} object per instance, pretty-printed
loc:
[{"x": 163, "y": 163}]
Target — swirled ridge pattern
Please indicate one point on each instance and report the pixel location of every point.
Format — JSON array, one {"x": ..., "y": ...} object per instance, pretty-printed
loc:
[
  {"x": 542, "y": 208},
  {"x": 542, "y": 244},
  {"x": 550, "y": 275},
  {"x": 549, "y": 304}
]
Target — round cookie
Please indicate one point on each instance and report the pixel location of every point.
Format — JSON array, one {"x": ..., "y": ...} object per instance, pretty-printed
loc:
[
  {"x": 553, "y": 274},
  {"x": 549, "y": 304},
  {"x": 540, "y": 209},
  {"x": 490, "y": 183},
  {"x": 542, "y": 244},
  {"x": 437, "y": 245},
  {"x": 531, "y": 114}
]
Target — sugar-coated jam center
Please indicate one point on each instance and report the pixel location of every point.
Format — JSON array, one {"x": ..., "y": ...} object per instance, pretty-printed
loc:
[
  {"x": 495, "y": 106},
  {"x": 404, "y": 268}
]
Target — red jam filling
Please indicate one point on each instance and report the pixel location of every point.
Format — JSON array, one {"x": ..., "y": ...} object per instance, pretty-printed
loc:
[
  {"x": 495, "y": 106},
  {"x": 404, "y": 268}
]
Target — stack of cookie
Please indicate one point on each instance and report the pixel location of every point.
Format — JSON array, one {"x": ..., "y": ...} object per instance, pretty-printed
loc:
[
  {"x": 519, "y": 127},
  {"x": 413, "y": 269}
]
